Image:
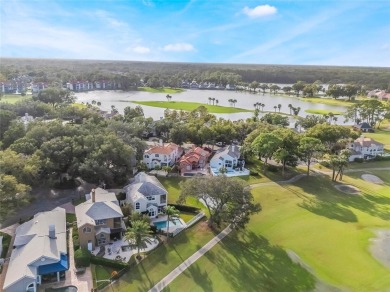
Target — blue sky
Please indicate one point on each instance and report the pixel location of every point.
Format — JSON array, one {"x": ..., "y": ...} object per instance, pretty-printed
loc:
[{"x": 306, "y": 32}]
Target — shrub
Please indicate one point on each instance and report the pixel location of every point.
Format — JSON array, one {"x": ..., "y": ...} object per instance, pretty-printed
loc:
[
  {"x": 185, "y": 208},
  {"x": 121, "y": 196},
  {"x": 109, "y": 263},
  {"x": 254, "y": 173},
  {"x": 82, "y": 257},
  {"x": 272, "y": 168},
  {"x": 359, "y": 160},
  {"x": 381, "y": 158},
  {"x": 6, "y": 242},
  {"x": 325, "y": 164}
]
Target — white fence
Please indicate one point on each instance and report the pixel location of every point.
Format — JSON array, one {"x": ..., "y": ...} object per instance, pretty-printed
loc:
[{"x": 195, "y": 219}]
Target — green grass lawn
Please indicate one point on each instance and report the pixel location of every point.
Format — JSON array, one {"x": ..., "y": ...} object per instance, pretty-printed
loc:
[
  {"x": 189, "y": 106},
  {"x": 164, "y": 259},
  {"x": 327, "y": 229},
  {"x": 100, "y": 273},
  {"x": 323, "y": 112},
  {"x": 71, "y": 217},
  {"x": 171, "y": 184},
  {"x": 13, "y": 98},
  {"x": 382, "y": 136},
  {"x": 160, "y": 90},
  {"x": 330, "y": 101}
]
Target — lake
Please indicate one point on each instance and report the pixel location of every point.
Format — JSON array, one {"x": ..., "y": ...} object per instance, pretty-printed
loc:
[{"x": 122, "y": 99}]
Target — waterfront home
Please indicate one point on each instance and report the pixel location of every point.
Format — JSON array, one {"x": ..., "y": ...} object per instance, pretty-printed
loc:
[
  {"x": 194, "y": 159},
  {"x": 39, "y": 251},
  {"x": 365, "y": 148},
  {"x": 162, "y": 155},
  {"x": 146, "y": 195},
  {"x": 228, "y": 158},
  {"x": 99, "y": 219}
]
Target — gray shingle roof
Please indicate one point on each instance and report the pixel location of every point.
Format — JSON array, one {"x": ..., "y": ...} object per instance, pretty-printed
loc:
[
  {"x": 143, "y": 185},
  {"x": 34, "y": 243}
]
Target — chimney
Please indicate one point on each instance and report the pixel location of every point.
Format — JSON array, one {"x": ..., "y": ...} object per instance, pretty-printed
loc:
[
  {"x": 52, "y": 231},
  {"x": 93, "y": 197}
]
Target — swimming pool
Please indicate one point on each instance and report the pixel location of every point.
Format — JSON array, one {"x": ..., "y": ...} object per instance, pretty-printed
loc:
[{"x": 172, "y": 223}]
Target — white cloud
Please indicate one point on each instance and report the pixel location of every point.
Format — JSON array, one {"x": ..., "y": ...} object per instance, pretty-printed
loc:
[
  {"x": 141, "y": 50},
  {"x": 111, "y": 21},
  {"x": 179, "y": 47},
  {"x": 148, "y": 3},
  {"x": 385, "y": 47},
  {"x": 259, "y": 11}
]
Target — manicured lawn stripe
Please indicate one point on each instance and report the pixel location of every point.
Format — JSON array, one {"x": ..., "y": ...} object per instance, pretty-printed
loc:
[
  {"x": 190, "y": 106},
  {"x": 323, "y": 112},
  {"x": 160, "y": 90}
]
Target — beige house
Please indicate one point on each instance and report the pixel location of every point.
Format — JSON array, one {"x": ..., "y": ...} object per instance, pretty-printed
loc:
[
  {"x": 39, "y": 251},
  {"x": 99, "y": 219}
]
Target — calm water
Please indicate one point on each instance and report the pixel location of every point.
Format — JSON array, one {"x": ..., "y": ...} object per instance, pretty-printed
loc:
[{"x": 244, "y": 100}]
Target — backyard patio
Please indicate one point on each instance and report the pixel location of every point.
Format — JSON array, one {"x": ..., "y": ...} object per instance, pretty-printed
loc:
[{"x": 122, "y": 250}]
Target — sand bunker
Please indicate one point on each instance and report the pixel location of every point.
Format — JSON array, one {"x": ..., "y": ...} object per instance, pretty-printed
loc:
[
  {"x": 348, "y": 189},
  {"x": 372, "y": 178},
  {"x": 380, "y": 247}
]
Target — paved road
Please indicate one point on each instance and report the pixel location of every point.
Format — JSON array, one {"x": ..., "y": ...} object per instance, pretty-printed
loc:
[{"x": 188, "y": 262}]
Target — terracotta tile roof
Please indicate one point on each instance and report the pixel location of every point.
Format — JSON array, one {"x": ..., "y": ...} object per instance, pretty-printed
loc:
[{"x": 165, "y": 149}]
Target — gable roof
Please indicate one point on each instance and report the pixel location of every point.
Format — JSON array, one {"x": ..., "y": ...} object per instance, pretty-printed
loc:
[
  {"x": 231, "y": 150},
  {"x": 34, "y": 243},
  {"x": 366, "y": 142},
  {"x": 143, "y": 185},
  {"x": 106, "y": 206}
]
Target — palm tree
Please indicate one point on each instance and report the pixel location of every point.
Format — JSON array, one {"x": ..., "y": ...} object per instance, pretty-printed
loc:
[
  {"x": 213, "y": 99},
  {"x": 290, "y": 106},
  {"x": 209, "y": 100},
  {"x": 93, "y": 101},
  {"x": 170, "y": 211},
  {"x": 279, "y": 106},
  {"x": 275, "y": 107},
  {"x": 139, "y": 232},
  {"x": 234, "y": 102},
  {"x": 216, "y": 101},
  {"x": 99, "y": 103},
  {"x": 262, "y": 106}
]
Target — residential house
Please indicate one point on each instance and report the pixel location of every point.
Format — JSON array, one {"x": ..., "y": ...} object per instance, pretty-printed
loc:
[
  {"x": 364, "y": 127},
  {"x": 379, "y": 94},
  {"x": 99, "y": 219},
  {"x": 162, "y": 155},
  {"x": 194, "y": 85},
  {"x": 365, "y": 148},
  {"x": 40, "y": 249},
  {"x": 146, "y": 194},
  {"x": 195, "y": 158},
  {"x": 12, "y": 86},
  {"x": 79, "y": 85},
  {"x": 227, "y": 157},
  {"x": 230, "y": 87},
  {"x": 37, "y": 87}
]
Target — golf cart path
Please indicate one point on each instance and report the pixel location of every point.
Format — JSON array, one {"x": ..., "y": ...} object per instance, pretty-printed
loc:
[
  {"x": 192, "y": 259},
  {"x": 188, "y": 262}
]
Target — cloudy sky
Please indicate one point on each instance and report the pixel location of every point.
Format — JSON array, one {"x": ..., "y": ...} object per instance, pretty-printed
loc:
[{"x": 305, "y": 32}]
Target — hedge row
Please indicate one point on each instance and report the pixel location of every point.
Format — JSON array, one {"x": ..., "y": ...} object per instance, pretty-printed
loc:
[
  {"x": 185, "y": 208},
  {"x": 82, "y": 257},
  {"x": 108, "y": 263}
]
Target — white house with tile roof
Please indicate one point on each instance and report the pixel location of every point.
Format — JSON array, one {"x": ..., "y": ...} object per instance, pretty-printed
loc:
[
  {"x": 365, "y": 148},
  {"x": 162, "y": 155},
  {"x": 99, "y": 219},
  {"x": 146, "y": 194},
  {"x": 39, "y": 249}
]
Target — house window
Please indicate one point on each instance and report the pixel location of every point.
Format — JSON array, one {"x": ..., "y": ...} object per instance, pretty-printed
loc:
[
  {"x": 87, "y": 230},
  {"x": 31, "y": 287},
  {"x": 152, "y": 213},
  {"x": 156, "y": 155},
  {"x": 150, "y": 198},
  {"x": 137, "y": 206},
  {"x": 146, "y": 156},
  {"x": 100, "y": 222}
]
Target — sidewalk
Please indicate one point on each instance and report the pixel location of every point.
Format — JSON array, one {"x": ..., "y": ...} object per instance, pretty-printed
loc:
[{"x": 188, "y": 262}]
